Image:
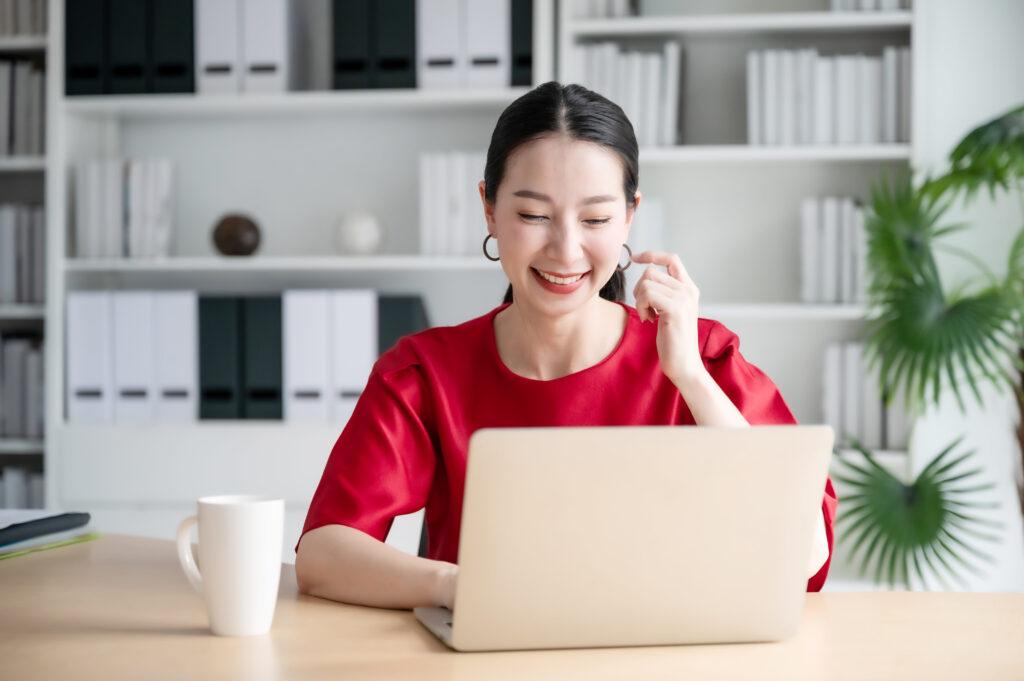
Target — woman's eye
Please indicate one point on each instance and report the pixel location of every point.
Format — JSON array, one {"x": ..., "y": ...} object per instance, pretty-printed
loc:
[
  {"x": 598, "y": 221},
  {"x": 527, "y": 216}
]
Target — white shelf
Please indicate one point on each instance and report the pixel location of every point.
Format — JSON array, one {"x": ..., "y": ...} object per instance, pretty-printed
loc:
[
  {"x": 19, "y": 164},
  {"x": 745, "y": 152},
  {"x": 22, "y": 43},
  {"x": 284, "y": 264},
  {"x": 786, "y": 311},
  {"x": 20, "y": 446},
  {"x": 786, "y": 22},
  {"x": 328, "y": 101},
  {"x": 22, "y": 311}
]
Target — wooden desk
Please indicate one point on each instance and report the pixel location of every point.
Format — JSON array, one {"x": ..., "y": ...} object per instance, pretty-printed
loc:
[{"x": 119, "y": 607}]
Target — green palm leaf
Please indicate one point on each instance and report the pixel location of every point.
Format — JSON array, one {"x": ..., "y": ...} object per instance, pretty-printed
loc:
[{"x": 924, "y": 528}]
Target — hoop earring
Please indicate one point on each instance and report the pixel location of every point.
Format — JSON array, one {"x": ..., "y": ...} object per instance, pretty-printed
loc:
[
  {"x": 486, "y": 254},
  {"x": 629, "y": 250}
]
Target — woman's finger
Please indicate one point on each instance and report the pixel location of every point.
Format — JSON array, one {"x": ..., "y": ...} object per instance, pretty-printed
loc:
[
  {"x": 645, "y": 291},
  {"x": 669, "y": 260}
]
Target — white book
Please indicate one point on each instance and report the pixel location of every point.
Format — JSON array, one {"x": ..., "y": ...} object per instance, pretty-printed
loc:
[
  {"x": 15, "y": 482},
  {"x": 488, "y": 41},
  {"x": 623, "y": 82},
  {"x": 860, "y": 256},
  {"x": 15, "y": 351},
  {"x": 810, "y": 244},
  {"x": 6, "y": 81},
  {"x": 608, "y": 62},
  {"x": 824, "y": 100},
  {"x": 426, "y": 203},
  {"x": 23, "y": 260},
  {"x": 113, "y": 217},
  {"x": 787, "y": 97},
  {"x": 905, "y": 94},
  {"x": 33, "y": 396},
  {"x": 89, "y": 353},
  {"x": 176, "y": 318},
  {"x": 163, "y": 219},
  {"x": 846, "y": 99},
  {"x": 39, "y": 255},
  {"x": 830, "y": 250},
  {"x": 354, "y": 348},
  {"x": 306, "y": 338},
  {"x": 267, "y": 47},
  {"x": 36, "y": 491},
  {"x": 134, "y": 357},
  {"x": 475, "y": 225},
  {"x": 890, "y": 91},
  {"x": 218, "y": 46},
  {"x": 22, "y": 99},
  {"x": 871, "y": 406},
  {"x": 651, "y": 91},
  {"x": 754, "y": 96},
  {"x": 853, "y": 387},
  {"x": 441, "y": 205},
  {"x": 771, "y": 84},
  {"x": 867, "y": 5},
  {"x": 456, "y": 212},
  {"x": 832, "y": 388},
  {"x": 847, "y": 272},
  {"x": 8, "y": 255},
  {"x": 440, "y": 54},
  {"x": 634, "y": 92},
  {"x": 806, "y": 60},
  {"x": 590, "y": 76},
  {"x": 870, "y": 92}
]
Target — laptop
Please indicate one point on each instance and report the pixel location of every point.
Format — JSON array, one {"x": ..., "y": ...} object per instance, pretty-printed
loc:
[{"x": 578, "y": 537}]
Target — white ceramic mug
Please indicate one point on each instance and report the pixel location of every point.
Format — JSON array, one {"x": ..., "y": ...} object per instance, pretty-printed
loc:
[{"x": 240, "y": 554}]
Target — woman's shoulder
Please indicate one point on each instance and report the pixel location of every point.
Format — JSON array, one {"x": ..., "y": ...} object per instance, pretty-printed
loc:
[{"x": 437, "y": 344}]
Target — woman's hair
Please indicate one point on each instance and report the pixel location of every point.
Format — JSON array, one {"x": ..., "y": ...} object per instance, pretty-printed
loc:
[{"x": 579, "y": 114}]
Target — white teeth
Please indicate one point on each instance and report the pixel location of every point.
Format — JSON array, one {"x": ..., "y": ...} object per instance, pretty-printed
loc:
[{"x": 559, "y": 280}]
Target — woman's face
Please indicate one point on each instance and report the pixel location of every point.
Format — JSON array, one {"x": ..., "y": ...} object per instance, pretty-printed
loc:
[{"x": 559, "y": 210}]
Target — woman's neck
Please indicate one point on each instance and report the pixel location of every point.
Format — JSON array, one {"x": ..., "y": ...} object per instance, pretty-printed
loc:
[{"x": 539, "y": 346}]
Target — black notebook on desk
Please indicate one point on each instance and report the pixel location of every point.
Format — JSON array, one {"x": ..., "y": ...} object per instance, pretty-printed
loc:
[{"x": 25, "y": 526}]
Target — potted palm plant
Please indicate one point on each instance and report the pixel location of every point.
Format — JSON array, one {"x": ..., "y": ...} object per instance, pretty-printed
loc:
[{"x": 924, "y": 338}]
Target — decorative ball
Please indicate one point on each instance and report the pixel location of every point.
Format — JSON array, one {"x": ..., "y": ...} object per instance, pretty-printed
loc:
[
  {"x": 358, "y": 233},
  {"x": 236, "y": 234}
]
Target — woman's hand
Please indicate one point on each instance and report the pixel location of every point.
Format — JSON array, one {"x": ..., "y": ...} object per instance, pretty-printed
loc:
[
  {"x": 671, "y": 299},
  {"x": 448, "y": 578}
]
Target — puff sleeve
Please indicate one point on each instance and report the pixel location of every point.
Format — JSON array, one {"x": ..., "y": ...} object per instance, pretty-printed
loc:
[
  {"x": 760, "y": 402},
  {"x": 382, "y": 465}
]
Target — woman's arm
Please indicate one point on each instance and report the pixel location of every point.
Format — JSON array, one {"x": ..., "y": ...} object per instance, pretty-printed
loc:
[{"x": 344, "y": 564}]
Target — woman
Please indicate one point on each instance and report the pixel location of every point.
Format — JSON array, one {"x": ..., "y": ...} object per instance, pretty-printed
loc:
[{"x": 559, "y": 194}]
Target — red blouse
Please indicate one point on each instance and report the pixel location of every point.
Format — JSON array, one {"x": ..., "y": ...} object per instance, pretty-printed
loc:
[{"x": 405, "y": 445}]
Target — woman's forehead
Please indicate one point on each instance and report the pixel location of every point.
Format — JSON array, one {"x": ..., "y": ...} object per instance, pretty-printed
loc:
[{"x": 564, "y": 166}]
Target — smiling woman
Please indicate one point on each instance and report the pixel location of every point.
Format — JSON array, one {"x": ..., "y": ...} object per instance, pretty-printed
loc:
[{"x": 559, "y": 194}]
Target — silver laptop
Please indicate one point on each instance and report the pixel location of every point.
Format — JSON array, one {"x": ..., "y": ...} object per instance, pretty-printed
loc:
[{"x": 634, "y": 535}]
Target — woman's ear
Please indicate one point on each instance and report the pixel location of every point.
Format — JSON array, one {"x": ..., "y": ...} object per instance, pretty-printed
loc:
[
  {"x": 631, "y": 210},
  {"x": 488, "y": 208}
]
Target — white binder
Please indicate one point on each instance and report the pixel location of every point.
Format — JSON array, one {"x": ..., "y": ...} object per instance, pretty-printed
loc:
[
  {"x": 177, "y": 373},
  {"x": 488, "y": 38},
  {"x": 218, "y": 46},
  {"x": 354, "y": 346},
  {"x": 267, "y": 46},
  {"x": 133, "y": 357},
  {"x": 305, "y": 344},
  {"x": 90, "y": 356},
  {"x": 440, "y": 53}
]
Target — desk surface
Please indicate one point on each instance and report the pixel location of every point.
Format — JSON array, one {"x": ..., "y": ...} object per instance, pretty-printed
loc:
[{"x": 120, "y": 607}]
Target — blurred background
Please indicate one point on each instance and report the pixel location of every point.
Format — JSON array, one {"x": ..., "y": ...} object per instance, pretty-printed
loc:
[{"x": 215, "y": 215}]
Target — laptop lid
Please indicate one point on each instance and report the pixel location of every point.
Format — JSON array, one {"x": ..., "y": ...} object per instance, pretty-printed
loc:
[{"x": 636, "y": 535}]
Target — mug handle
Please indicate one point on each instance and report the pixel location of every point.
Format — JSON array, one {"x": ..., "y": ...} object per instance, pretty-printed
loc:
[{"x": 185, "y": 557}]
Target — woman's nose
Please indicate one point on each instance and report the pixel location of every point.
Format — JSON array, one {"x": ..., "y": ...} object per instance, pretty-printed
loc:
[{"x": 566, "y": 243}]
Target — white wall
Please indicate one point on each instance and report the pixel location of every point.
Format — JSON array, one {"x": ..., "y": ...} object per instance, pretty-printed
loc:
[{"x": 967, "y": 57}]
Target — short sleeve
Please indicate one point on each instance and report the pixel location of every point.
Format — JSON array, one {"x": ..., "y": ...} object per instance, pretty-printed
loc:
[
  {"x": 760, "y": 402},
  {"x": 382, "y": 465}
]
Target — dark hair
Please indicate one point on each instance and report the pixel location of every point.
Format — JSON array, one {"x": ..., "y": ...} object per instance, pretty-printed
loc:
[{"x": 578, "y": 113}]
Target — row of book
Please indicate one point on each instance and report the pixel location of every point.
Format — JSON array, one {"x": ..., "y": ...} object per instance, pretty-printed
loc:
[
  {"x": 233, "y": 46},
  {"x": 21, "y": 386},
  {"x": 22, "y": 254},
  {"x": 123, "y": 208},
  {"x": 22, "y": 107},
  {"x": 797, "y": 97},
  {"x": 870, "y": 5},
  {"x": 451, "y": 212},
  {"x": 603, "y": 9},
  {"x": 23, "y": 17},
  {"x": 833, "y": 250},
  {"x": 20, "y": 488},
  {"x": 852, "y": 400},
  {"x": 178, "y": 356},
  {"x": 645, "y": 84}
]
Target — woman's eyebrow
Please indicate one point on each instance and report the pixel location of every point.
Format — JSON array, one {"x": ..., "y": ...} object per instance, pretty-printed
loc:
[{"x": 530, "y": 194}]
